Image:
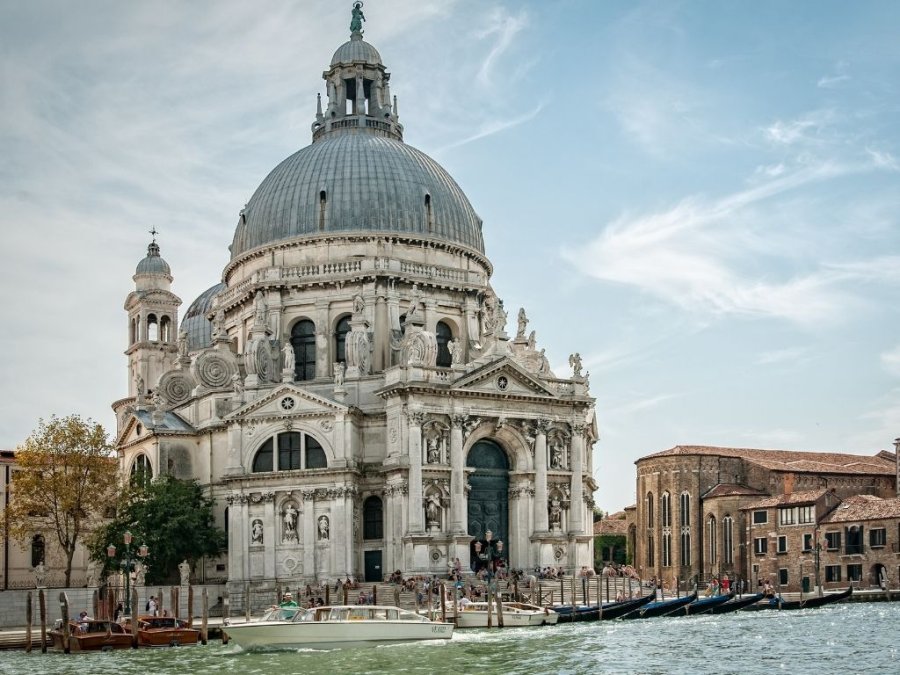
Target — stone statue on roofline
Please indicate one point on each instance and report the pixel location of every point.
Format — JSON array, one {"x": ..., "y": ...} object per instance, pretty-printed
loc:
[
  {"x": 357, "y": 17},
  {"x": 523, "y": 323}
]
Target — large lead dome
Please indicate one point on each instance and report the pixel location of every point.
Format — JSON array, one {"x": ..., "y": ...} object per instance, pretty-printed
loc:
[
  {"x": 358, "y": 176},
  {"x": 357, "y": 183}
]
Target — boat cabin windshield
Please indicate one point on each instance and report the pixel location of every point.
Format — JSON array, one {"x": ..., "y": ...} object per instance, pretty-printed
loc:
[
  {"x": 281, "y": 614},
  {"x": 358, "y": 613}
]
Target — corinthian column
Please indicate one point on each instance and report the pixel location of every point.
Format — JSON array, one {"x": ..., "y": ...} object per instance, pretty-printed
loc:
[
  {"x": 541, "y": 516},
  {"x": 457, "y": 475},
  {"x": 416, "y": 516},
  {"x": 576, "y": 509}
]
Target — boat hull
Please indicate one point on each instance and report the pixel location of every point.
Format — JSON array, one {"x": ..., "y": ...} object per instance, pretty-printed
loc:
[
  {"x": 616, "y": 610},
  {"x": 332, "y": 634},
  {"x": 661, "y": 608},
  {"x": 95, "y": 639},
  {"x": 808, "y": 603}
]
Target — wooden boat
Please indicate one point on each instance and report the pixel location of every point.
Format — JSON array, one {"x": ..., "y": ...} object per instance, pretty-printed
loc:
[
  {"x": 701, "y": 605},
  {"x": 515, "y": 614},
  {"x": 92, "y": 635},
  {"x": 165, "y": 631},
  {"x": 736, "y": 604},
  {"x": 335, "y": 626},
  {"x": 661, "y": 608},
  {"x": 569, "y": 614},
  {"x": 617, "y": 610},
  {"x": 807, "y": 603}
]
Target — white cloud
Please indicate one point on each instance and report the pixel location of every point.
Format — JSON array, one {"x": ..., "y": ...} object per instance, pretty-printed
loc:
[
  {"x": 788, "y": 355},
  {"x": 807, "y": 128},
  {"x": 505, "y": 27},
  {"x": 833, "y": 81},
  {"x": 691, "y": 256},
  {"x": 891, "y": 360}
]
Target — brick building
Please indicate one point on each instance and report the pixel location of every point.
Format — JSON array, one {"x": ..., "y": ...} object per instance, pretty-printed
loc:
[{"x": 703, "y": 511}]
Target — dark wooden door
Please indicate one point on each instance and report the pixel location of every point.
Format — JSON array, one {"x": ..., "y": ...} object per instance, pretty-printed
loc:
[
  {"x": 488, "y": 503},
  {"x": 373, "y": 566}
]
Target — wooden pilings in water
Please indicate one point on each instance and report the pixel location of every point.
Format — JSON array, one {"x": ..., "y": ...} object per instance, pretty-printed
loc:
[
  {"x": 204, "y": 614},
  {"x": 42, "y": 609},
  {"x": 396, "y": 595},
  {"x": 190, "y": 606},
  {"x": 226, "y": 614},
  {"x": 64, "y": 609},
  {"x": 374, "y": 594},
  {"x": 29, "y": 619}
]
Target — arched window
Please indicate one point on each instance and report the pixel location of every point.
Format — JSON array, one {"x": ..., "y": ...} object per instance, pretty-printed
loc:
[
  {"x": 665, "y": 509},
  {"x": 444, "y": 335},
  {"x": 429, "y": 216},
  {"x": 666, "y": 548},
  {"x": 303, "y": 339},
  {"x": 152, "y": 328},
  {"x": 340, "y": 339},
  {"x": 685, "y": 509},
  {"x": 315, "y": 455},
  {"x": 649, "y": 509},
  {"x": 38, "y": 550},
  {"x": 225, "y": 520},
  {"x": 686, "y": 548},
  {"x": 728, "y": 539},
  {"x": 711, "y": 539},
  {"x": 296, "y": 450},
  {"x": 133, "y": 334},
  {"x": 264, "y": 460},
  {"x": 651, "y": 561},
  {"x": 373, "y": 518},
  {"x": 323, "y": 201},
  {"x": 141, "y": 470},
  {"x": 289, "y": 450},
  {"x": 685, "y": 517},
  {"x": 165, "y": 329}
]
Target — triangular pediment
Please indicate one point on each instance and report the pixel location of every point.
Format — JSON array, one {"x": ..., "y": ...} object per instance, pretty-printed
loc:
[
  {"x": 503, "y": 376},
  {"x": 288, "y": 400},
  {"x": 140, "y": 422}
]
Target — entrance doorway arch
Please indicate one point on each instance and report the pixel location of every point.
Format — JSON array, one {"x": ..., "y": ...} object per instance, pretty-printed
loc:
[{"x": 488, "y": 503}]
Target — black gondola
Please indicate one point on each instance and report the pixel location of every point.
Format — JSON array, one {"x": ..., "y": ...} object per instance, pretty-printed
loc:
[
  {"x": 611, "y": 610},
  {"x": 701, "y": 605},
  {"x": 807, "y": 603},
  {"x": 736, "y": 604},
  {"x": 661, "y": 608}
]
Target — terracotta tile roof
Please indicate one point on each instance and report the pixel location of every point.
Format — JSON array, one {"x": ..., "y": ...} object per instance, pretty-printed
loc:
[
  {"x": 805, "y": 497},
  {"x": 864, "y": 507},
  {"x": 615, "y": 526},
  {"x": 731, "y": 490},
  {"x": 790, "y": 460}
]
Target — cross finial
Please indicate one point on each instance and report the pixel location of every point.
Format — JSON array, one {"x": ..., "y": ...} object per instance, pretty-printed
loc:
[{"x": 154, "y": 233}]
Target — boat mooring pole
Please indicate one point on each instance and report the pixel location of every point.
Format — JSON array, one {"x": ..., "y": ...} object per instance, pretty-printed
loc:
[
  {"x": 134, "y": 617},
  {"x": 443, "y": 603},
  {"x": 204, "y": 616},
  {"x": 64, "y": 608},
  {"x": 29, "y": 618},
  {"x": 499, "y": 601},
  {"x": 226, "y": 614},
  {"x": 490, "y": 603},
  {"x": 42, "y": 609},
  {"x": 374, "y": 594},
  {"x": 327, "y": 593},
  {"x": 396, "y": 595},
  {"x": 190, "y": 607}
]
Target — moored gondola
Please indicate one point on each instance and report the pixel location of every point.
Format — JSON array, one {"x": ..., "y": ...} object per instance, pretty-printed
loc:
[
  {"x": 736, "y": 604},
  {"x": 661, "y": 608},
  {"x": 701, "y": 605},
  {"x": 807, "y": 603},
  {"x": 611, "y": 610}
]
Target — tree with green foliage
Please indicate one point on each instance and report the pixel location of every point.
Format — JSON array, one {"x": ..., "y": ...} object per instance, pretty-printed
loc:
[
  {"x": 173, "y": 517},
  {"x": 65, "y": 483}
]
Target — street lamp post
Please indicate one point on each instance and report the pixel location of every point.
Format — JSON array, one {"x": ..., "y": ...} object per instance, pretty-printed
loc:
[{"x": 126, "y": 564}]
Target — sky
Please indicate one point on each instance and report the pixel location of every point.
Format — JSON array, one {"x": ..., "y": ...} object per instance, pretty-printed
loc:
[{"x": 701, "y": 198}]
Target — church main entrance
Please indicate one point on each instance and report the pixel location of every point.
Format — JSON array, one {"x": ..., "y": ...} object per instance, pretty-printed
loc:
[{"x": 489, "y": 498}]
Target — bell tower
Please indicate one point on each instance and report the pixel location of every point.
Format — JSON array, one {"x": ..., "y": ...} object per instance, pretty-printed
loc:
[{"x": 152, "y": 321}]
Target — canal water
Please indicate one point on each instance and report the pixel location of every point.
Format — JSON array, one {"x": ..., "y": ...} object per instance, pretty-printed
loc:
[{"x": 847, "y": 638}]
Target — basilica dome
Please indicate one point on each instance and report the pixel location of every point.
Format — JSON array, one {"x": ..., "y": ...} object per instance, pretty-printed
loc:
[
  {"x": 357, "y": 183},
  {"x": 357, "y": 177}
]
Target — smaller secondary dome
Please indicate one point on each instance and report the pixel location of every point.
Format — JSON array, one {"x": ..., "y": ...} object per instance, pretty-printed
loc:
[
  {"x": 356, "y": 50},
  {"x": 195, "y": 323},
  {"x": 153, "y": 263}
]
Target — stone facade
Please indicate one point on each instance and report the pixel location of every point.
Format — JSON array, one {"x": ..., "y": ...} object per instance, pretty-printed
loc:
[
  {"x": 692, "y": 519},
  {"x": 350, "y": 394}
]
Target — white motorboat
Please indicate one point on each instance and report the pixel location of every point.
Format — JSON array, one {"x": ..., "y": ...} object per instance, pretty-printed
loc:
[
  {"x": 515, "y": 614},
  {"x": 335, "y": 626}
]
